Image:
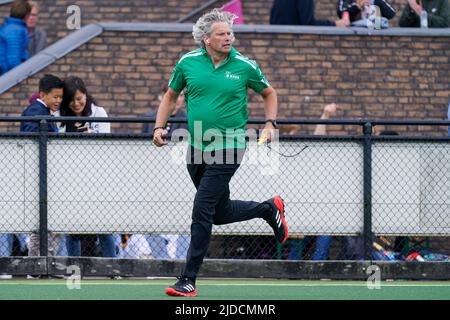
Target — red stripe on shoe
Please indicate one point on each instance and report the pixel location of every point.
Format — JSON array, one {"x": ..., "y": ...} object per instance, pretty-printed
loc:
[
  {"x": 175, "y": 293},
  {"x": 279, "y": 203}
]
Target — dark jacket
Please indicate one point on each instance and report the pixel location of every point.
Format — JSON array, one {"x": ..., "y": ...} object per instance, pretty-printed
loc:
[
  {"x": 296, "y": 12},
  {"x": 438, "y": 12},
  {"x": 38, "y": 41},
  {"x": 386, "y": 9},
  {"x": 36, "y": 109},
  {"x": 13, "y": 47}
]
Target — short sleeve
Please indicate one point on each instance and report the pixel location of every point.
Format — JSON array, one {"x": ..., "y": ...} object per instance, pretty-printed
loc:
[
  {"x": 257, "y": 81},
  {"x": 177, "y": 81}
]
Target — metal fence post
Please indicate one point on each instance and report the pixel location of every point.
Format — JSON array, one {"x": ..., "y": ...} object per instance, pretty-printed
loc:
[
  {"x": 367, "y": 190},
  {"x": 43, "y": 227}
]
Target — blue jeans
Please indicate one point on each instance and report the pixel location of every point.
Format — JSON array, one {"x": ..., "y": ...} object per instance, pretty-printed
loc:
[
  {"x": 158, "y": 245},
  {"x": 107, "y": 244},
  {"x": 322, "y": 248},
  {"x": 7, "y": 240},
  {"x": 182, "y": 246},
  {"x": 354, "y": 248}
]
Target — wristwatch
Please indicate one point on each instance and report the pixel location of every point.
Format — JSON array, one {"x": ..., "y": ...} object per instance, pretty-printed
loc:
[{"x": 273, "y": 122}]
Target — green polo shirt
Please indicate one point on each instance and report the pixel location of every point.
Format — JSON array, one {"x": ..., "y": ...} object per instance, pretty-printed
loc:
[{"x": 216, "y": 98}]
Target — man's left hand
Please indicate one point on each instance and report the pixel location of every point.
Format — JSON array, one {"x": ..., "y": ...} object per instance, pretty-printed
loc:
[{"x": 267, "y": 133}]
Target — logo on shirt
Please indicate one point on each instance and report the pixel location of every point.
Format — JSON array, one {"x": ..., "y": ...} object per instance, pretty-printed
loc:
[{"x": 229, "y": 75}]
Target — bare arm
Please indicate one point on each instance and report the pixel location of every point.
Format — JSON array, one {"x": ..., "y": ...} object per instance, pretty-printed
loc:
[
  {"x": 328, "y": 111},
  {"x": 166, "y": 107},
  {"x": 269, "y": 96}
]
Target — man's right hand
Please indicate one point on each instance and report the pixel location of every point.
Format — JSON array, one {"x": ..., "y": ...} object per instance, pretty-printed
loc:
[{"x": 159, "y": 137}]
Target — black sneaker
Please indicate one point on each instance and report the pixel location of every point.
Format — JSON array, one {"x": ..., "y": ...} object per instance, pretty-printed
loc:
[
  {"x": 184, "y": 287},
  {"x": 277, "y": 220}
]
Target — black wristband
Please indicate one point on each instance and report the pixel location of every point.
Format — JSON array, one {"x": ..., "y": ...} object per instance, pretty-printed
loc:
[
  {"x": 273, "y": 122},
  {"x": 156, "y": 128}
]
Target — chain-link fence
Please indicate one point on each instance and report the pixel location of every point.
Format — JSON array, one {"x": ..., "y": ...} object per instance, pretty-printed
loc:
[{"x": 363, "y": 197}]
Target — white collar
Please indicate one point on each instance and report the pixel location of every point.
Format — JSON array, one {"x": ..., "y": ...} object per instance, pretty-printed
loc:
[
  {"x": 39, "y": 100},
  {"x": 52, "y": 113}
]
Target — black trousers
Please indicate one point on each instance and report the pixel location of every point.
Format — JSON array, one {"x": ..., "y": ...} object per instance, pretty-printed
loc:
[{"x": 212, "y": 205}]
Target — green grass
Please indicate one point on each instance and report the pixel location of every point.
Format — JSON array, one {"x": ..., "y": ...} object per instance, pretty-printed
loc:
[{"x": 223, "y": 289}]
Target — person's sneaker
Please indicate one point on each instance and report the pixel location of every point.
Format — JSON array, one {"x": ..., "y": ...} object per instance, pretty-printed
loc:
[
  {"x": 5, "y": 276},
  {"x": 277, "y": 220},
  {"x": 184, "y": 287}
]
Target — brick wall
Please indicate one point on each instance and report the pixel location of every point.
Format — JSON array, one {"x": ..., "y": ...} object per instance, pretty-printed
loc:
[
  {"x": 53, "y": 13},
  {"x": 373, "y": 77}
]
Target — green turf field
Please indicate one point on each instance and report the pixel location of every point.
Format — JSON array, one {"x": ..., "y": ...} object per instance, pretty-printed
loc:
[{"x": 223, "y": 289}]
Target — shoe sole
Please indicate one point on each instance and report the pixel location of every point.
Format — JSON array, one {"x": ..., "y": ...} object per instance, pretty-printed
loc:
[
  {"x": 174, "y": 293},
  {"x": 279, "y": 203}
]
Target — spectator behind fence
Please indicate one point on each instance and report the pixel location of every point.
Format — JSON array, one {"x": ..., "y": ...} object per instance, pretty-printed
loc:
[
  {"x": 14, "y": 36},
  {"x": 164, "y": 246},
  {"x": 47, "y": 104},
  {"x": 438, "y": 13},
  {"x": 352, "y": 245},
  {"x": 178, "y": 112},
  {"x": 37, "y": 35},
  {"x": 300, "y": 12},
  {"x": 77, "y": 102},
  {"x": 322, "y": 243},
  {"x": 355, "y": 8}
]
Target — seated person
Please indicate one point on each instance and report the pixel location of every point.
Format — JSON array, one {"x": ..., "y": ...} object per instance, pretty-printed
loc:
[
  {"x": 438, "y": 13},
  {"x": 355, "y": 8},
  {"x": 300, "y": 12}
]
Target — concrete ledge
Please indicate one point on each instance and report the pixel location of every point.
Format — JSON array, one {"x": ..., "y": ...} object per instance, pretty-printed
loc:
[
  {"x": 48, "y": 56},
  {"x": 313, "y": 270},
  {"x": 414, "y": 270},
  {"x": 321, "y": 30},
  {"x": 310, "y": 270},
  {"x": 23, "y": 265}
]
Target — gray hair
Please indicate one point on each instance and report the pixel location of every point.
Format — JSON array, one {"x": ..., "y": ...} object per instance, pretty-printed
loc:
[
  {"x": 203, "y": 26},
  {"x": 34, "y": 4}
]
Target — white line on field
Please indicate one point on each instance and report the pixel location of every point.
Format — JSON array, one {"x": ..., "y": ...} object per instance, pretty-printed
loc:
[{"x": 82, "y": 283}]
